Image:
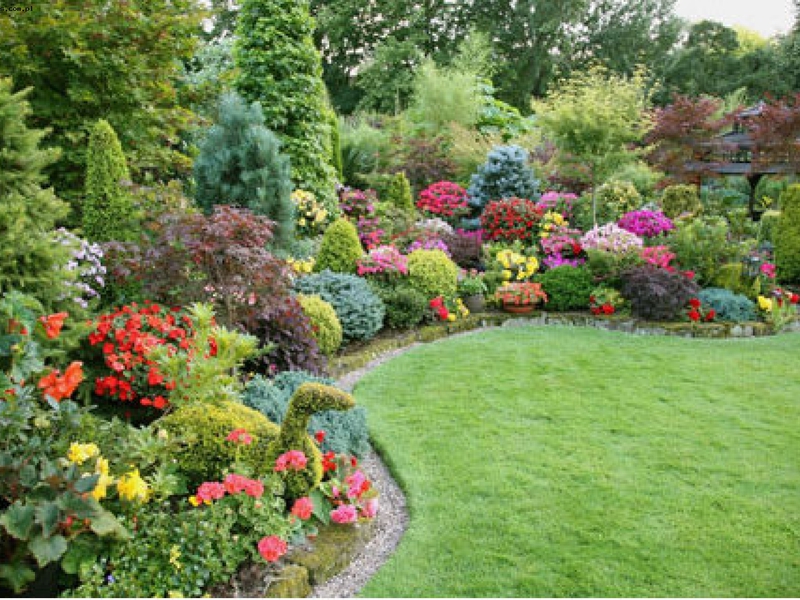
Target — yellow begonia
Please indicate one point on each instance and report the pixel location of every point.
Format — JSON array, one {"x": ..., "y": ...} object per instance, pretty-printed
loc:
[
  {"x": 765, "y": 303},
  {"x": 132, "y": 487},
  {"x": 80, "y": 453},
  {"x": 101, "y": 488}
]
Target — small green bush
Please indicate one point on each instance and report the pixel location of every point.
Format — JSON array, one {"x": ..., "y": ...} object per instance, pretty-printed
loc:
[
  {"x": 731, "y": 277},
  {"x": 615, "y": 198},
  {"x": 432, "y": 273},
  {"x": 702, "y": 245},
  {"x": 327, "y": 329},
  {"x": 727, "y": 305},
  {"x": 340, "y": 248},
  {"x": 359, "y": 310},
  {"x": 568, "y": 288},
  {"x": 345, "y": 431},
  {"x": 197, "y": 435},
  {"x": 607, "y": 267},
  {"x": 787, "y": 238},
  {"x": 768, "y": 226},
  {"x": 405, "y": 306},
  {"x": 679, "y": 199},
  {"x": 398, "y": 193}
]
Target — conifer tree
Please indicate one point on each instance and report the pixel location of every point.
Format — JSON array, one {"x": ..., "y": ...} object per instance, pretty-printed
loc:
[
  {"x": 31, "y": 260},
  {"x": 240, "y": 164},
  {"x": 107, "y": 207},
  {"x": 280, "y": 68}
]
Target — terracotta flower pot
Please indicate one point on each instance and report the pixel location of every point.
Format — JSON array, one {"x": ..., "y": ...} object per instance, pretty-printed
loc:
[{"x": 520, "y": 309}]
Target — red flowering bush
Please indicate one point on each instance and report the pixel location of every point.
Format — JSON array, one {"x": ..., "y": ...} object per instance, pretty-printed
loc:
[
  {"x": 443, "y": 199},
  {"x": 125, "y": 337},
  {"x": 696, "y": 312},
  {"x": 510, "y": 219}
]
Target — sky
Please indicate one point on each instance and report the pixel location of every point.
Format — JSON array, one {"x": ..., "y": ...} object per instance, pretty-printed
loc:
[{"x": 767, "y": 17}]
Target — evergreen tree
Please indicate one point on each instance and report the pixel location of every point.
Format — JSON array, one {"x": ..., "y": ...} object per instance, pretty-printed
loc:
[
  {"x": 107, "y": 207},
  {"x": 280, "y": 68},
  {"x": 240, "y": 163},
  {"x": 31, "y": 260}
]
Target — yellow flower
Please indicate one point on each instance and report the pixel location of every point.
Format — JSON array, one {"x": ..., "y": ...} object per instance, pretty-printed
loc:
[
  {"x": 451, "y": 317},
  {"x": 132, "y": 487},
  {"x": 765, "y": 303},
  {"x": 174, "y": 555},
  {"x": 194, "y": 501},
  {"x": 506, "y": 274},
  {"x": 80, "y": 453},
  {"x": 302, "y": 222},
  {"x": 101, "y": 488}
]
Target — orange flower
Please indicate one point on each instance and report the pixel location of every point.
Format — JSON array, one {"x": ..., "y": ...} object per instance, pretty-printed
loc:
[
  {"x": 59, "y": 387},
  {"x": 53, "y": 324}
]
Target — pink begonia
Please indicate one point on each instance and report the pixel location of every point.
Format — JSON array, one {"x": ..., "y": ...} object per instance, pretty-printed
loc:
[
  {"x": 210, "y": 490},
  {"x": 254, "y": 488},
  {"x": 303, "y": 508},
  {"x": 660, "y": 256},
  {"x": 357, "y": 484},
  {"x": 370, "y": 508},
  {"x": 768, "y": 269},
  {"x": 271, "y": 548},
  {"x": 346, "y": 513},
  {"x": 239, "y": 436},
  {"x": 235, "y": 483},
  {"x": 294, "y": 460},
  {"x": 383, "y": 260}
]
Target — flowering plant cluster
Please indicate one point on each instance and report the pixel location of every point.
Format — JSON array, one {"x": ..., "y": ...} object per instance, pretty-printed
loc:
[
  {"x": 517, "y": 267},
  {"x": 696, "y": 312},
  {"x": 345, "y": 495},
  {"x": 511, "y": 219},
  {"x": 301, "y": 266},
  {"x": 560, "y": 202},
  {"x": 385, "y": 261},
  {"x": 357, "y": 203},
  {"x": 435, "y": 225},
  {"x": 429, "y": 242},
  {"x": 311, "y": 214},
  {"x": 87, "y": 263},
  {"x": 646, "y": 223},
  {"x": 370, "y": 232},
  {"x": 443, "y": 199},
  {"x": 611, "y": 238},
  {"x": 551, "y": 221},
  {"x": 126, "y": 337},
  {"x": 472, "y": 283},
  {"x": 659, "y": 256},
  {"x": 605, "y": 301},
  {"x": 562, "y": 247},
  {"x": 780, "y": 308},
  {"x": 448, "y": 309},
  {"x": 521, "y": 293}
]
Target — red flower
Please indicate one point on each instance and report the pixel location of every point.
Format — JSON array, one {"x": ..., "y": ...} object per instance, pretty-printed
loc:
[
  {"x": 328, "y": 462},
  {"x": 711, "y": 314},
  {"x": 694, "y": 315},
  {"x": 694, "y": 303},
  {"x": 608, "y": 309},
  {"x": 154, "y": 377},
  {"x": 239, "y": 436},
  {"x": 53, "y": 324},
  {"x": 60, "y": 387},
  {"x": 303, "y": 508},
  {"x": 271, "y": 548},
  {"x": 794, "y": 298},
  {"x": 688, "y": 274},
  {"x": 319, "y": 436}
]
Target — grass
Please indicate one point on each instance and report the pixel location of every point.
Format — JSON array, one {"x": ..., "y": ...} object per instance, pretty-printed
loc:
[{"x": 577, "y": 462}]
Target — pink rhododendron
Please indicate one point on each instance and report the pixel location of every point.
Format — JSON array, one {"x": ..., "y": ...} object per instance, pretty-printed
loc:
[
  {"x": 444, "y": 198},
  {"x": 346, "y": 513},
  {"x": 302, "y": 508},
  {"x": 294, "y": 460},
  {"x": 271, "y": 548}
]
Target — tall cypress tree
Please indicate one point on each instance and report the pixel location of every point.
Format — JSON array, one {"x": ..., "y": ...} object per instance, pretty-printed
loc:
[
  {"x": 31, "y": 260},
  {"x": 240, "y": 163},
  {"x": 280, "y": 68},
  {"x": 107, "y": 207}
]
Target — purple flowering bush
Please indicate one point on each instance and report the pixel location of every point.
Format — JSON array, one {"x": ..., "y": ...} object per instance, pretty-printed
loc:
[
  {"x": 646, "y": 223},
  {"x": 611, "y": 238},
  {"x": 383, "y": 261},
  {"x": 560, "y": 202}
]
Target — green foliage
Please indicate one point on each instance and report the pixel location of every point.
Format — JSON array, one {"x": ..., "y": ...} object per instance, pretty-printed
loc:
[
  {"x": 240, "y": 163},
  {"x": 387, "y": 80},
  {"x": 398, "y": 194},
  {"x": 324, "y": 323},
  {"x": 731, "y": 277},
  {"x": 336, "y": 143},
  {"x": 505, "y": 174},
  {"x": 787, "y": 236},
  {"x": 31, "y": 260},
  {"x": 405, "y": 305},
  {"x": 280, "y": 68},
  {"x": 728, "y": 305},
  {"x": 679, "y": 199},
  {"x": 340, "y": 248},
  {"x": 359, "y": 310},
  {"x": 657, "y": 294},
  {"x": 702, "y": 246},
  {"x": 769, "y": 189},
  {"x": 117, "y": 61},
  {"x": 432, "y": 273},
  {"x": 309, "y": 398},
  {"x": 107, "y": 208},
  {"x": 197, "y": 435},
  {"x": 345, "y": 431},
  {"x": 567, "y": 288},
  {"x": 615, "y": 198},
  {"x": 444, "y": 96},
  {"x": 641, "y": 175},
  {"x": 607, "y": 267},
  {"x": 768, "y": 226},
  {"x": 363, "y": 145}
]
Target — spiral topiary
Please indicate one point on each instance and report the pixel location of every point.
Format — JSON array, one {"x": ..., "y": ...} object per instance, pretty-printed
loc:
[
  {"x": 432, "y": 273},
  {"x": 340, "y": 248},
  {"x": 326, "y": 327}
]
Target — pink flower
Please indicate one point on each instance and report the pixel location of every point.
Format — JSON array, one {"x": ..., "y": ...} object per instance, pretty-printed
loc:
[
  {"x": 239, "y": 436},
  {"x": 294, "y": 460},
  {"x": 370, "y": 509},
  {"x": 235, "y": 483},
  {"x": 302, "y": 508},
  {"x": 346, "y": 513},
  {"x": 358, "y": 484},
  {"x": 254, "y": 488},
  {"x": 768, "y": 269},
  {"x": 209, "y": 491},
  {"x": 271, "y": 548}
]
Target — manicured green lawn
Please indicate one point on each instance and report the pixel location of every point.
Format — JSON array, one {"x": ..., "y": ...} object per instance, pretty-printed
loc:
[{"x": 578, "y": 462}]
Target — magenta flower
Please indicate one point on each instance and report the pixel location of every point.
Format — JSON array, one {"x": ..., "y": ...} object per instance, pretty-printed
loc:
[
  {"x": 346, "y": 513},
  {"x": 768, "y": 269},
  {"x": 294, "y": 460}
]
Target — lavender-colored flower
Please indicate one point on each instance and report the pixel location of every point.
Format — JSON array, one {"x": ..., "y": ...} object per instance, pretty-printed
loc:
[
  {"x": 87, "y": 264},
  {"x": 646, "y": 223},
  {"x": 611, "y": 238}
]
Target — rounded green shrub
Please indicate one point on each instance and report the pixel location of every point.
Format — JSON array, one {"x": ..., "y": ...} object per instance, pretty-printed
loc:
[
  {"x": 768, "y": 226},
  {"x": 568, "y": 288},
  {"x": 679, "y": 199},
  {"x": 432, "y": 273},
  {"x": 345, "y": 431},
  {"x": 702, "y": 245},
  {"x": 727, "y": 305},
  {"x": 398, "y": 193},
  {"x": 359, "y": 310},
  {"x": 615, "y": 198},
  {"x": 405, "y": 306},
  {"x": 340, "y": 248},
  {"x": 198, "y": 431},
  {"x": 327, "y": 329},
  {"x": 787, "y": 236}
]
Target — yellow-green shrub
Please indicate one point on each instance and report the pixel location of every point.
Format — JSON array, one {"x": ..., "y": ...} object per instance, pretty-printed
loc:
[
  {"x": 432, "y": 273},
  {"x": 325, "y": 325},
  {"x": 679, "y": 199},
  {"x": 340, "y": 248}
]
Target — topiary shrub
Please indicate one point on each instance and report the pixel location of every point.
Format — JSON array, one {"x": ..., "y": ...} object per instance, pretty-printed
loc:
[
  {"x": 567, "y": 288},
  {"x": 727, "y": 305},
  {"x": 197, "y": 439},
  {"x": 345, "y": 431},
  {"x": 680, "y": 199},
  {"x": 505, "y": 174},
  {"x": 359, "y": 310},
  {"x": 615, "y": 198},
  {"x": 657, "y": 294},
  {"x": 768, "y": 226},
  {"x": 787, "y": 236},
  {"x": 309, "y": 398},
  {"x": 325, "y": 325},
  {"x": 398, "y": 193},
  {"x": 731, "y": 277},
  {"x": 511, "y": 219},
  {"x": 340, "y": 248},
  {"x": 405, "y": 305},
  {"x": 107, "y": 207},
  {"x": 432, "y": 273}
]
